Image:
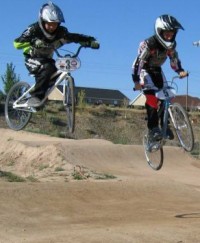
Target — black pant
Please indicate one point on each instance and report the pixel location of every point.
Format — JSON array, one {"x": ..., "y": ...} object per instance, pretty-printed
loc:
[
  {"x": 42, "y": 68},
  {"x": 152, "y": 113},
  {"x": 152, "y": 116}
]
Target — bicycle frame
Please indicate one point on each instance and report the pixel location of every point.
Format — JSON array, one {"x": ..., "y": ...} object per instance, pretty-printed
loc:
[
  {"x": 165, "y": 96},
  {"x": 166, "y": 107},
  {"x": 63, "y": 75}
]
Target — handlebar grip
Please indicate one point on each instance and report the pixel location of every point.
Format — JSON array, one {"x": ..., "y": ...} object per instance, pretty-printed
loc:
[{"x": 95, "y": 45}]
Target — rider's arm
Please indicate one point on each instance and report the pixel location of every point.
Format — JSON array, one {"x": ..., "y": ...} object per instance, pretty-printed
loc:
[
  {"x": 25, "y": 45},
  {"x": 79, "y": 38},
  {"x": 74, "y": 37},
  {"x": 141, "y": 59},
  {"x": 175, "y": 62},
  {"x": 24, "y": 41},
  {"x": 21, "y": 45}
]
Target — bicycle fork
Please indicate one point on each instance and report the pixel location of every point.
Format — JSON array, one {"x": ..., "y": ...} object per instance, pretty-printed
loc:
[
  {"x": 172, "y": 117},
  {"x": 165, "y": 118}
]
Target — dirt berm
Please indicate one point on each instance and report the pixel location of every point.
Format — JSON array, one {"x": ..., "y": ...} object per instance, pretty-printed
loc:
[{"x": 120, "y": 199}]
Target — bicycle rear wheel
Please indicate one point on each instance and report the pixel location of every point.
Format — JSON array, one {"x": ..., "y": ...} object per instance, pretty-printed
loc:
[
  {"x": 153, "y": 153},
  {"x": 70, "y": 104},
  {"x": 183, "y": 127},
  {"x": 17, "y": 119}
]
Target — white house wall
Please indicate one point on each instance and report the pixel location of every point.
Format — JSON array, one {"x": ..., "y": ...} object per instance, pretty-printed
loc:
[
  {"x": 139, "y": 100},
  {"x": 56, "y": 95}
]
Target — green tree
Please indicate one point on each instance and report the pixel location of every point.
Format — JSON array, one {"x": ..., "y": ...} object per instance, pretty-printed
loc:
[
  {"x": 10, "y": 77},
  {"x": 2, "y": 96}
]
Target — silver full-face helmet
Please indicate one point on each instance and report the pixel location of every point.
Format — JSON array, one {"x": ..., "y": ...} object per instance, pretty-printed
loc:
[
  {"x": 50, "y": 12},
  {"x": 166, "y": 23}
]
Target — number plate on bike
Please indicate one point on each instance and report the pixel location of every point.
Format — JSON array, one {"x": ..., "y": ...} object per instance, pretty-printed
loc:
[{"x": 68, "y": 63}]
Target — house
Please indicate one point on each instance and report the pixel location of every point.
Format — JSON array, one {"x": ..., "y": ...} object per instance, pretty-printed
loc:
[
  {"x": 192, "y": 103},
  {"x": 94, "y": 95},
  {"x": 139, "y": 101}
]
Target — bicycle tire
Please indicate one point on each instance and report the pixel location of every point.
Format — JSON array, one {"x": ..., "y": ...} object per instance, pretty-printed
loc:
[
  {"x": 70, "y": 104},
  {"x": 183, "y": 127},
  {"x": 16, "y": 119},
  {"x": 155, "y": 155}
]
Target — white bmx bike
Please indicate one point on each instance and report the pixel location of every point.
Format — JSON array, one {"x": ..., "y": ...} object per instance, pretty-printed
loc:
[{"x": 18, "y": 112}]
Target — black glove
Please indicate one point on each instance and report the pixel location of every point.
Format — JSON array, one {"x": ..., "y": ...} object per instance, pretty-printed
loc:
[{"x": 94, "y": 45}]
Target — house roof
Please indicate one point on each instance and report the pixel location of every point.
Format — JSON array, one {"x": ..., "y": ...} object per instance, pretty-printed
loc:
[
  {"x": 191, "y": 101},
  {"x": 99, "y": 93}
]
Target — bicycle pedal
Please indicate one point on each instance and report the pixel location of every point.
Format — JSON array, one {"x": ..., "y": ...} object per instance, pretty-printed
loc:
[{"x": 32, "y": 109}]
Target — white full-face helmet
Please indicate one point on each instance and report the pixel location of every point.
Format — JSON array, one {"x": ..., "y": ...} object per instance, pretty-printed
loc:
[
  {"x": 166, "y": 23},
  {"x": 50, "y": 12}
]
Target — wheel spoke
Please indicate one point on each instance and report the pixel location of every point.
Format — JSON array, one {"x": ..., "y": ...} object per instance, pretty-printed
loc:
[
  {"x": 183, "y": 127},
  {"x": 153, "y": 152},
  {"x": 16, "y": 119}
]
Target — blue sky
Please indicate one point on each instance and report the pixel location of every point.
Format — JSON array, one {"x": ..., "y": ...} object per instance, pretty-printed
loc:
[{"x": 119, "y": 26}]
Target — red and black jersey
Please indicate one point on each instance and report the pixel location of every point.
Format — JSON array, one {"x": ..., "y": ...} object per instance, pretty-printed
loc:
[{"x": 152, "y": 55}]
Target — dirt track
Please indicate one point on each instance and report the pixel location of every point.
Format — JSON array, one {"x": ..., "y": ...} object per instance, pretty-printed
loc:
[{"x": 140, "y": 205}]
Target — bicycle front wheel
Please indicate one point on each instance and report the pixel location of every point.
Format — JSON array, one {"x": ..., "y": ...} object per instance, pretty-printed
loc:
[
  {"x": 182, "y": 127},
  {"x": 153, "y": 153},
  {"x": 16, "y": 118},
  {"x": 70, "y": 104}
]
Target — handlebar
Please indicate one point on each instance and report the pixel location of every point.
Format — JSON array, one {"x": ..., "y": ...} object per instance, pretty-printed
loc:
[
  {"x": 93, "y": 45},
  {"x": 175, "y": 77},
  {"x": 69, "y": 55},
  {"x": 148, "y": 88}
]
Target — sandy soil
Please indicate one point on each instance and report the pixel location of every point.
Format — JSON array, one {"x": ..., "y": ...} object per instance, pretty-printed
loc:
[{"x": 139, "y": 205}]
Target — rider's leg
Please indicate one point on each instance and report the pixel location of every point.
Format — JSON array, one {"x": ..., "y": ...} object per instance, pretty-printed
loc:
[
  {"x": 42, "y": 68},
  {"x": 42, "y": 78},
  {"x": 152, "y": 79},
  {"x": 152, "y": 117}
]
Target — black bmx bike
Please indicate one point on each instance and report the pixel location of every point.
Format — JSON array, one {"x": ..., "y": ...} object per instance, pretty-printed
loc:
[
  {"x": 18, "y": 112},
  {"x": 178, "y": 118}
]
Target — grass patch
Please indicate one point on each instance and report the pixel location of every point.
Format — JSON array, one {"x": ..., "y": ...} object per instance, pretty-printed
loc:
[
  {"x": 9, "y": 176},
  {"x": 57, "y": 169},
  {"x": 31, "y": 179},
  {"x": 105, "y": 177},
  {"x": 80, "y": 173},
  {"x": 77, "y": 176}
]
